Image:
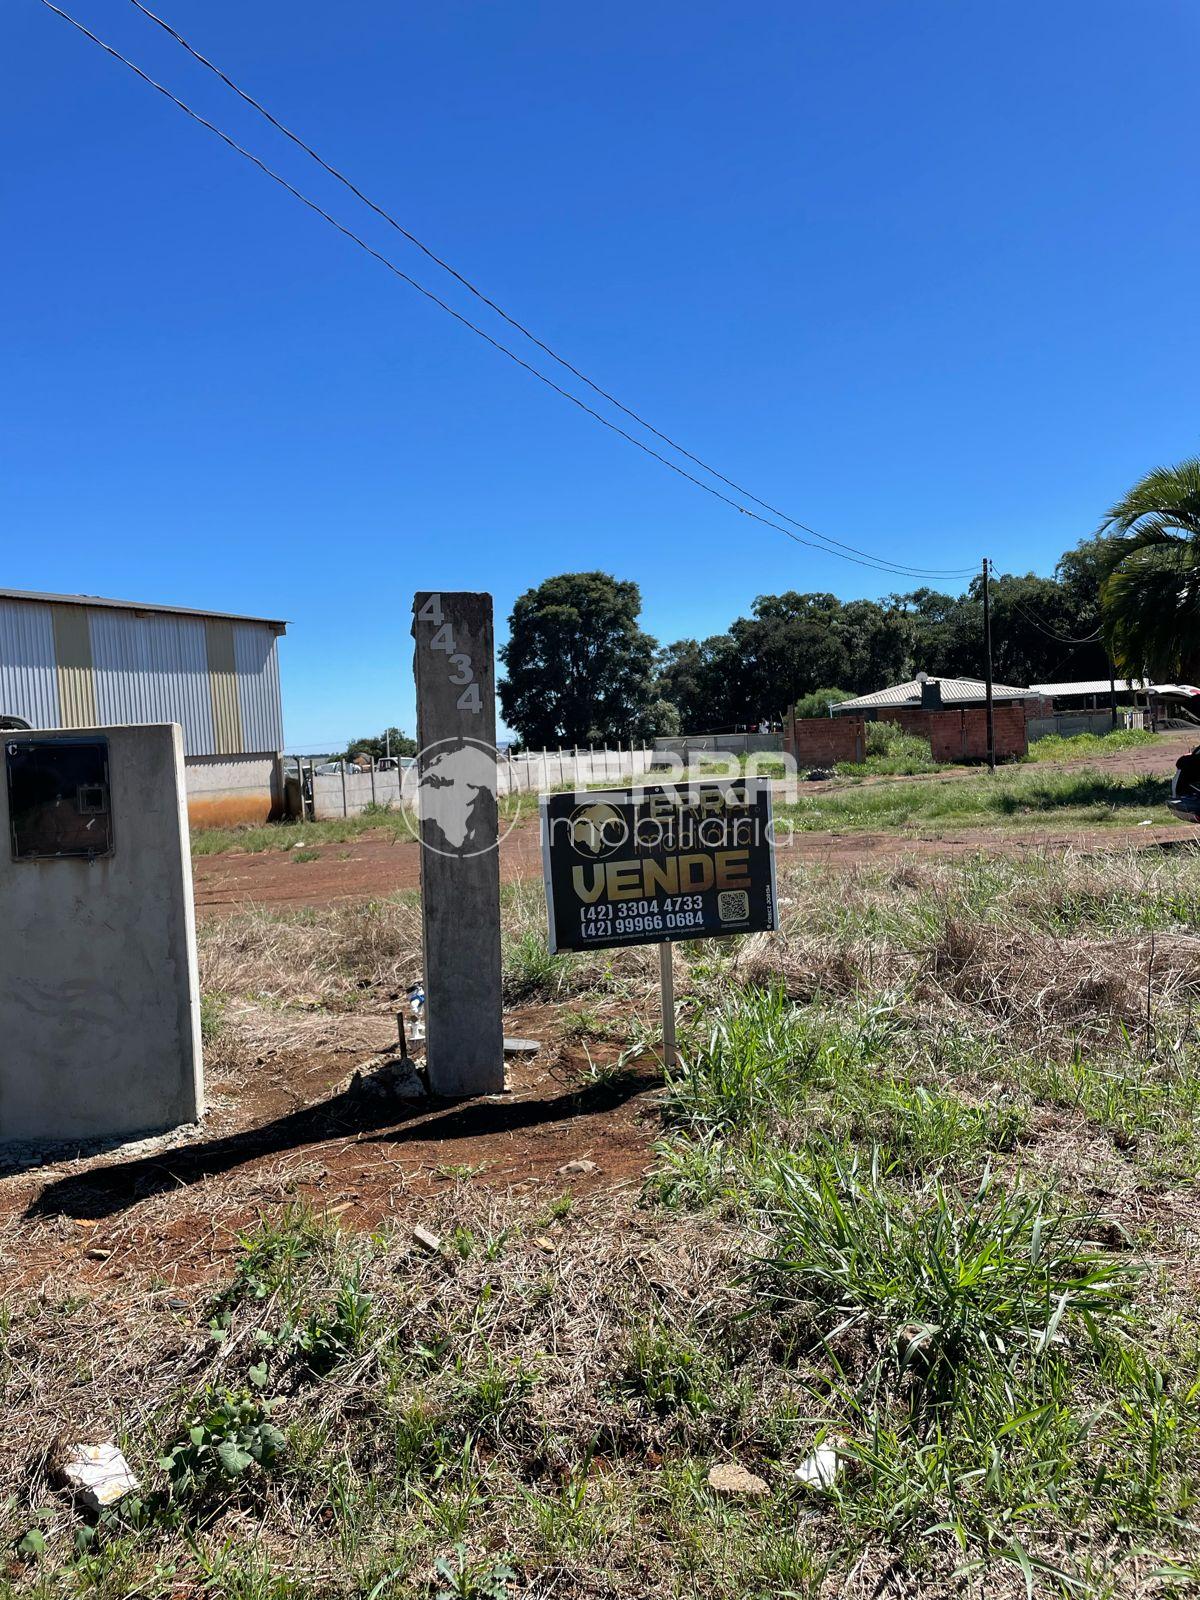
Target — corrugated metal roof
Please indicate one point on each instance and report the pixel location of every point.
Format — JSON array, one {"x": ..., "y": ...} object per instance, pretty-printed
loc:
[
  {"x": 28, "y": 675},
  {"x": 955, "y": 692},
  {"x": 1101, "y": 686},
  {"x": 154, "y": 669},
  {"x": 70, "y": 666},
  {"x": 256, "y": 655},
  {"x": 96, "y": 601}
]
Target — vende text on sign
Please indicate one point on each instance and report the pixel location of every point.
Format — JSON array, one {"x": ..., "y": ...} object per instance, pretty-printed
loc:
[{"x": 659, "y": 862}]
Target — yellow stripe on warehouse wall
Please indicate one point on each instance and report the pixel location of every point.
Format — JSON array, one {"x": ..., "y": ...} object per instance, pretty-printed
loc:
[
  {"x": 73, "y": 660},
  {"x": 222, "y": 684}
]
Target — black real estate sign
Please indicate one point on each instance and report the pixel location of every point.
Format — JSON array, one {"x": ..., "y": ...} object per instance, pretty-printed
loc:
[{"x": 659, "y": 862}]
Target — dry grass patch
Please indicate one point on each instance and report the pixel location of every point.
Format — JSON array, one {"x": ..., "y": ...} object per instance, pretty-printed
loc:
[{"x": 333, "y": 957}]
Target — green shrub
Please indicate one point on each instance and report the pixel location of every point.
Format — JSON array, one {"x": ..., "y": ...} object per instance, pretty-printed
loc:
[
  {"x": 338, "y": 1331},
  {"x": 891, "y": 740},
  {"x": 750, "y": 1063},
  {"x": 212, "y": 1018},
  {"x": 530, "y": 971},
  {"x": 817, "y": 703},
  {"x": 667, "y": 1369},
  {"x": 464, "y": 1579},
  {"x": 228, "y": 1434}
]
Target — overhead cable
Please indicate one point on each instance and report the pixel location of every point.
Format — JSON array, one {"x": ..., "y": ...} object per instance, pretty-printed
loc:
[{"x": 859, "y": 559}]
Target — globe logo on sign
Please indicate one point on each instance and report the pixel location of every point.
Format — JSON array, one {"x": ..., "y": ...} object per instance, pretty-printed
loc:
[{"x": 597, "y": 829}]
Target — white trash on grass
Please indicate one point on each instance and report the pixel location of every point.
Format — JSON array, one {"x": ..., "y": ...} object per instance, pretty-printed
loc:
[{"x": 98, "y": 1473}]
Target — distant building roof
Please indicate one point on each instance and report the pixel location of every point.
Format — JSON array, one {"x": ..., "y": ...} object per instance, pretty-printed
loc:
[
  {"x": 97, "y": 602},
  {"x": 1101, "y": 686},
  {"x": 954, "y": 692}
]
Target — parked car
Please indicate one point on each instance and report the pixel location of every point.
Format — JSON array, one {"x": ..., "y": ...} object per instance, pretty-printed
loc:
[
  {"x": 328, "y": 768},
  {"x": 1185, "y": 789}
]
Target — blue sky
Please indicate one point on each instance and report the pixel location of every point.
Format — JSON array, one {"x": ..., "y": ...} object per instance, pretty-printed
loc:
[{"x": 922, "y": 274}]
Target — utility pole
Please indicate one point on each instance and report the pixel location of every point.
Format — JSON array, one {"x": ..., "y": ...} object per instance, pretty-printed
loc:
[
  {"x": 987, "y": 669},
  {"x": 387, "y": 741}
]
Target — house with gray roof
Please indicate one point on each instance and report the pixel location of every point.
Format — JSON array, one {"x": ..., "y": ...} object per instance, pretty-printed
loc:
[{"x": 928, "y": 693}]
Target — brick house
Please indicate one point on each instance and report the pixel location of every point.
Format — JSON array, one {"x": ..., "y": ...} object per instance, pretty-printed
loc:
[{"x": 949, "y": 712}]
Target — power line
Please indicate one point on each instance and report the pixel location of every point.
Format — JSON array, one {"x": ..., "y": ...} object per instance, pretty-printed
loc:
[
  {"x": 863, "y": 560},
  {"x": 512, "y": 321},
  {"x": 1061, "y": 638}
]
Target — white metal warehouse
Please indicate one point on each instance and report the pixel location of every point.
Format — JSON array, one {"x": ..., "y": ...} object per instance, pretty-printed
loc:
[{"x": 78, "y": 661}]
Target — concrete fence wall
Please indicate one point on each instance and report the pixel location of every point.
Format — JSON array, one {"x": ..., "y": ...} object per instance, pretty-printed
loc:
[
  {"x": 349, "y": 793},
  {"x": 687, "y": 745},
  {"x": 1069, "y": 723},
  {"x": 223, "y": 790}
]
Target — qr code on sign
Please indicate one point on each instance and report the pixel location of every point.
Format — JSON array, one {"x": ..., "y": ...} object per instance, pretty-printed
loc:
[{"x": 733, "y": 905}]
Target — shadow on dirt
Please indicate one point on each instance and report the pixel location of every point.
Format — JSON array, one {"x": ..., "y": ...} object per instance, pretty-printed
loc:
[{"x": 111, "y": 1189}]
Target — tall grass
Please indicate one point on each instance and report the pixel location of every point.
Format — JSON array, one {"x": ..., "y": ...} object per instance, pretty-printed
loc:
[
  {"x": 943, "y": 1292},
  {"x": 891, "y": 750},
  {"x": 1057, "y": 747},
  {"x": 1020, "y": 797}
]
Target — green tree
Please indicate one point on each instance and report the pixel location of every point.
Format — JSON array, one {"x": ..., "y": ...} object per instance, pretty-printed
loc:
[
  {"x": 1040, "y": 632},
  {"x": 578, "y": 665},
  {"x": 817, "y": 703},
  {"x": 945, "y": 632},
  {"x": 788, "y": 647},
  {"x": 703, "y": 681},
  {"x": 793, "y": 643},
  {"x": 1081, "y": 572},
  {"x": 399, "y": 744},
  {"x": 1150, "y": 594},
  {"x": 658, "y": 720}
]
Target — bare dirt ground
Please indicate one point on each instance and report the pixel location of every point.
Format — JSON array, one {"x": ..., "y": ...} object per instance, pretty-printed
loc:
[
  {"x": 366, "y": 868},
  {"x": 289, "y": 1127}
]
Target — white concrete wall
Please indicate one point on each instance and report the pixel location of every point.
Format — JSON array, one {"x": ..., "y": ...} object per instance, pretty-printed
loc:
[
  {"x": 99, "y": 993},
  {"x": 225, "y": 790},
  {"x": 1069, "y": 723},
  {"x": 527, "y": 774},
  {"x": 736, "y": 744}
]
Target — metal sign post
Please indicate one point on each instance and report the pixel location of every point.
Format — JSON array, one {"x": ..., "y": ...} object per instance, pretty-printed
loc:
[
  {"x": 666, "y": 973},
  {"x": 459, "y": 829}
]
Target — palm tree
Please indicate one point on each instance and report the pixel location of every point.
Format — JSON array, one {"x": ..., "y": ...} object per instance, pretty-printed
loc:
[{"x": 1150, "y": 596}]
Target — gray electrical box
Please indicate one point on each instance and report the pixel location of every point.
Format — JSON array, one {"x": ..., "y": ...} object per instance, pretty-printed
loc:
[{"x": 58, "y": 799}]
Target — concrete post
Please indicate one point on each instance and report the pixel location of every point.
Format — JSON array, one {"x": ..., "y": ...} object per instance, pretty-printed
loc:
[
  {"x": 459, "y": 829},
  {"x": 345, "y": 804},
  {"x": 99, "y": 993}
]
